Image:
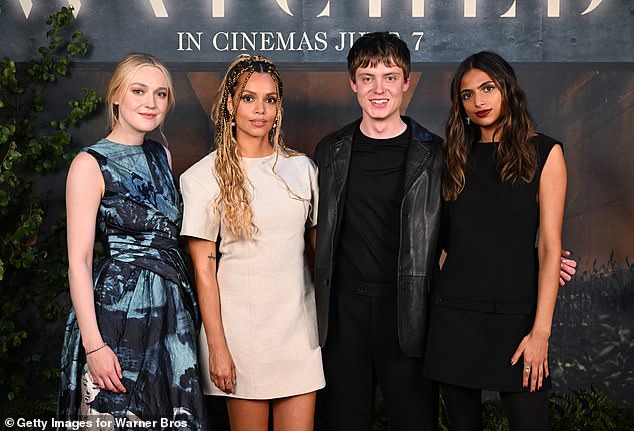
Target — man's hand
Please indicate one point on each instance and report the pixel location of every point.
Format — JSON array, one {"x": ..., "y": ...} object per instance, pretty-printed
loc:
[{"x": 568, "y": 268}]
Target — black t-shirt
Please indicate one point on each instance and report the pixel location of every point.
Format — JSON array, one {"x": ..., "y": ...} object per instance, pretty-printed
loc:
[{"x": 370, "y": 230}]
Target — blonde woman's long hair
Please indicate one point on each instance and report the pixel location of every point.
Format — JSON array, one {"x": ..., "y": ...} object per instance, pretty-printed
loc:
[
  {"x": 233, "y": 203},
  {"x": 120, "y": 80}
]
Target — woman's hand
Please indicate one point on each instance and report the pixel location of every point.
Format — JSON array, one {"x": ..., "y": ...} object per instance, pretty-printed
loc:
[
  {"x": 222, "y": 369},
  {"x": 534, "y": 349},
  {"x": 104, "y": 368}
]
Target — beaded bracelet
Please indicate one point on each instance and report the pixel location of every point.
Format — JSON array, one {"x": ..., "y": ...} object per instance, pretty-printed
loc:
[{"x": 98, "y": 348}]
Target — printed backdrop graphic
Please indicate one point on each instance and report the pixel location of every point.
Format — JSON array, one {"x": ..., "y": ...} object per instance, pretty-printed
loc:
[
  {"x": 574, "y": 60},
  {"x": 321, "y": 31}
]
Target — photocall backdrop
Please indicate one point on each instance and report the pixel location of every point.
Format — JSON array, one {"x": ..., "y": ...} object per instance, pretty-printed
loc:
[{"x": 574, "y": 60}]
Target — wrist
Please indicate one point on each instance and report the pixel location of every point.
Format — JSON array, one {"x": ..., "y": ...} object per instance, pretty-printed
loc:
[
  {"x": 217, "y": 345},
  {"x": 543, "y": 332},
  {"x": 215, "y": 338},
  {"x": 92, "y": 344},
  {"x": 101, "y": 346}
]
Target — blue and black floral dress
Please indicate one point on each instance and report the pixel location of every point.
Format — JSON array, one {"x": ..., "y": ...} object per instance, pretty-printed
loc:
[{"x": 145, "y": 306}]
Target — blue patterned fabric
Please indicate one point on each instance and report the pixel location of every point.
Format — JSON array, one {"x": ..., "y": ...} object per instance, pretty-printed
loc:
[{"x": 145, "y": 306}]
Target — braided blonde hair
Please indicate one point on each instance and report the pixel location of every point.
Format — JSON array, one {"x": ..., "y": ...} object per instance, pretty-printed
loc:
[{"x": 232, "y": 204}]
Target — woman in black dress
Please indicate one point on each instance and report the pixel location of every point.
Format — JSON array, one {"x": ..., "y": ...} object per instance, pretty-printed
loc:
[{"x": 493, "y": 304}]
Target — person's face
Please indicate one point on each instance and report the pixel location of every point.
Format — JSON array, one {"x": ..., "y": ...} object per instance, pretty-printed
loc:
[
  {"x": 380, "y": 91},
  {"x": 143, "y": 104},
  {"x": 257, "y": 109},
  {"x": 482, "y": 101}
]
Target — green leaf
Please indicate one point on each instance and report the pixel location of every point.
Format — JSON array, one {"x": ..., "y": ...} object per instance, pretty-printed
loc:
[
  {"x": 17, "y": 338},
  {"x": 33, "y": 262}
]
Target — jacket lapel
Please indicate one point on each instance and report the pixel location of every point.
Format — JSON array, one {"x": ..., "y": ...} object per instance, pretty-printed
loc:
[
  {"x": 340, "y": 155},
  {"x": 418, "y": 156}
]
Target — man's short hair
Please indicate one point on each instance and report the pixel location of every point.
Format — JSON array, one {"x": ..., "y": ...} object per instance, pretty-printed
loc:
[{"x": 379, "y": 47}]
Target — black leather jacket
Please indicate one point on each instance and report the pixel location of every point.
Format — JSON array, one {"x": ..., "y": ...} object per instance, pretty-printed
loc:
[{"x": 420, "y": 223}]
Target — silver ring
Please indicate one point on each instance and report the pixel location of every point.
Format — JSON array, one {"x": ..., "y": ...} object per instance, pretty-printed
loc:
[
  {"x": 527, "y": 368},
  {"x": 226, "y": 382}
]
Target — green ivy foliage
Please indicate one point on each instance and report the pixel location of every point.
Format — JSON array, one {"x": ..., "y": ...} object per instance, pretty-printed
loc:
[
  {"x": 33, "y": 262},
  {"x": 589, "y": 410}
]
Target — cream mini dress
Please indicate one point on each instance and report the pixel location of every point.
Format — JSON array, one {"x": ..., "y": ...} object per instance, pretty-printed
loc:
[{"x": 266, "y": 294}]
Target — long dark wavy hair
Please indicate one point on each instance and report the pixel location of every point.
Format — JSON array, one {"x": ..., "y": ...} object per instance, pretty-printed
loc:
[{"x": 516, "y": 156}]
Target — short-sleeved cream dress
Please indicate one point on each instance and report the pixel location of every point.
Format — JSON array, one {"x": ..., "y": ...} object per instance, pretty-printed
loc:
[{"x": 266, "y": 293}]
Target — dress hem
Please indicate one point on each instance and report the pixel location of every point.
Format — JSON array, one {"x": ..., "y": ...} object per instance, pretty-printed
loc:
[{"x": 271, "y": 397}]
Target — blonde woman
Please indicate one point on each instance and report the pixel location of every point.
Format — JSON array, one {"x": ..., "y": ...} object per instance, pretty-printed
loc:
[
  {"x": 256, "y": 200},
  {"x": 130, "y": 347}
]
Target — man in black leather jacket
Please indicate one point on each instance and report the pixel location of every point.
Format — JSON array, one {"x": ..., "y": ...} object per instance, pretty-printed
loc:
[{"x": 378, "y": 223}]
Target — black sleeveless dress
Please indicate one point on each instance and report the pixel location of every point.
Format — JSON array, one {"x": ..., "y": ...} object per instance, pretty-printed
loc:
[{"x": 485, "y": 299}]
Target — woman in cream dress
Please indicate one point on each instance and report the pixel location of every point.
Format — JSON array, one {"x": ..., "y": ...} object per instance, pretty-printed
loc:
[{"x": 257, "y": 200}]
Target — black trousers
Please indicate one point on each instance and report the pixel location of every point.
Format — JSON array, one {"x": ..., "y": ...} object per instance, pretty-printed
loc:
[{"x": 362, "y": 351}]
